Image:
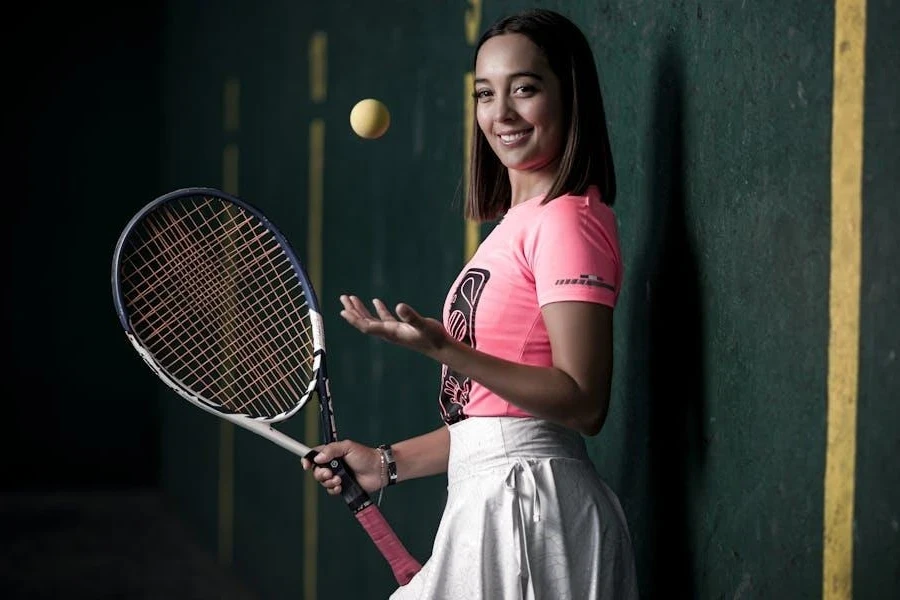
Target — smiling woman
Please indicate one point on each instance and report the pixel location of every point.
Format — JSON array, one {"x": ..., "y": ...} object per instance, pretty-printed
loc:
[
  {"x": 519, "y": 111},
  {"x": 546, "y": 84},
  {"x": 525, "y": 340}
]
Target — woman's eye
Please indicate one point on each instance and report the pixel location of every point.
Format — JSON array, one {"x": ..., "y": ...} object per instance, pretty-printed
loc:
[
  {"x": 482, "y": 95},
  {"x": 525, "y": 90}
]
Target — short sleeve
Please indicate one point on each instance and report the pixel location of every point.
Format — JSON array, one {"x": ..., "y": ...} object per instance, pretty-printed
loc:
[{"x": 575, "y": 253}]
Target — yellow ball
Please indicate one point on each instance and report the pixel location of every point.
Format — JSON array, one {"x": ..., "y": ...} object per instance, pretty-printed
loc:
[{"x": 370, "y": 118}]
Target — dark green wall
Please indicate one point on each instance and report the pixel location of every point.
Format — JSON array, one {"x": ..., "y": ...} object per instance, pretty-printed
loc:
[
  {"x": 720, "y": 117},
  {"x": 877, "y": 533},
  {"x": 715, "y": 443}
]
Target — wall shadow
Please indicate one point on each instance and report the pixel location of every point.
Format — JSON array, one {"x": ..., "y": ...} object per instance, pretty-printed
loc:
[{"x": 665, "y": 379}]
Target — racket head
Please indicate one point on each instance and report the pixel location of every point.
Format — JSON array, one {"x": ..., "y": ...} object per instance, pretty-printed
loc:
[{"x": 215, "y": 300}]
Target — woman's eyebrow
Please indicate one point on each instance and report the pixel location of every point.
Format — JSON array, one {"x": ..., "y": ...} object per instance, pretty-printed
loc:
[{"x": 515, "y": 75}]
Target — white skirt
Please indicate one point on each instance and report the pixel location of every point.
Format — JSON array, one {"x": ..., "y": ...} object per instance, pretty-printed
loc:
[{"x": 527, "y": 517}]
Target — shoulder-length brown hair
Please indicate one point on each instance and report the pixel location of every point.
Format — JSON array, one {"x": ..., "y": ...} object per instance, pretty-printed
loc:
[{"x": 586, "y": 158}]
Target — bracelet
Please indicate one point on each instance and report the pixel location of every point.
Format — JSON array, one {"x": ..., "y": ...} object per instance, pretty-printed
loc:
[
  {"x": 383, "y": 475},
  {"x": 388, "y": 455}
]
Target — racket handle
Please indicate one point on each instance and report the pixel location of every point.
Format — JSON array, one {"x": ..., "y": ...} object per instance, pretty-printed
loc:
[
  {"x": 402, "y": 563},
  {"x": 355, "y": 497},
  {"x": 353, "y": 494},
  {"x": 392, "y": 549}
]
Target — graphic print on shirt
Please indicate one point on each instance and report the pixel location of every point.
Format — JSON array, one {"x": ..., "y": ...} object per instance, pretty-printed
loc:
[{"x": 461, "y": 325}]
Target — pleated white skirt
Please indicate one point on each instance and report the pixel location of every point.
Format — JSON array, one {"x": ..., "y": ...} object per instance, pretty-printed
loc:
[{"x": 527, "y": 517}]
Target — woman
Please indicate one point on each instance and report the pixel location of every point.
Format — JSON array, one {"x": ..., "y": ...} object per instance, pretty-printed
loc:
[{"x": 525, "y": 342}]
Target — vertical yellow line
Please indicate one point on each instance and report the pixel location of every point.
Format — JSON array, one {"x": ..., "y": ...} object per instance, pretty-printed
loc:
[
  {"x": 844, "y": 290},
  {"x": 231, "y": 101},
  {"x": 318, "y": 66},
  {"x": 226, "y": 492},
  {"x": 316, "y": 197},
  {"x": 318, "y": 92},
  {"x": 230, "y": 157},
  {"x": 314, "y": 265},
  {"x": 472, "y": 232},
  {"x": 473, "y": 21}
]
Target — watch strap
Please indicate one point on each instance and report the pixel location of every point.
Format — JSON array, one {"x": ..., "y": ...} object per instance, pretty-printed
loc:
[{"x": 391, "y": 463}]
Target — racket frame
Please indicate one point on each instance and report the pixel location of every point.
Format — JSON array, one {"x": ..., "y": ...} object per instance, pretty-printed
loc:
[
  {"x": 403, "y": 565},
  {"x": 259, "y": 425}
]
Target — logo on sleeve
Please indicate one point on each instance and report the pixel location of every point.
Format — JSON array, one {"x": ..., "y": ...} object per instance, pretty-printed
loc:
[{"x": 592, "y": 280}]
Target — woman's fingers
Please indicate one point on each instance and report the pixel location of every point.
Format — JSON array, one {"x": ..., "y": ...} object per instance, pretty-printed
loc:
[
  {"x": 408, "y": 315},
  {"x": 356, "y": 313},
  {"x": 319, "y": 458},
  {"x": 345, "y": 302},
  {"x": 326, "y": 477},
  {"x": 404, "y": 326},
  {"x": 360, "y": 308},
  {"x": 323, "y": 474},
  {"x": 382, "y": 310},
  {"x": 354, "y": 307},
  {"x": 351, "y": 317}
]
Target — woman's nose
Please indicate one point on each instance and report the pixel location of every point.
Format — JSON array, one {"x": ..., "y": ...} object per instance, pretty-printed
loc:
[{"x": 503, "y": 109}]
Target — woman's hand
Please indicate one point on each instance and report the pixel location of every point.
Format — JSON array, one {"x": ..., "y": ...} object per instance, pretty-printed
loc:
[
  {"x": 363, "y": 461},
  {"x": 408, "y": 328}
]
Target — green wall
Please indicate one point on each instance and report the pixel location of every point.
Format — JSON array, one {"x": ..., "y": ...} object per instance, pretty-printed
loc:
[
  {"x": 877, "y": 533},
  {"x": 720, "y": 119}
]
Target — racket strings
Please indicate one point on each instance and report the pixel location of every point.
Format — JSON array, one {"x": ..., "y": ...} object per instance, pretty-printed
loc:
[
  {"x": 216, "y": 300},
  {"x": 255, "y": 349},
  {"x": 285, "y": 320},
  {"x": 164, "y": 270},
  {"x": 193, "y": 339},
  {"x": 245, "y": 357},
  {"x": 292, "y": 356},
  {"x": 194, "y": 302}
]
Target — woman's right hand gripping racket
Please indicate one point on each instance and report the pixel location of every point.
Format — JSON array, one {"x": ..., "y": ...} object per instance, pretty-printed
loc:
[{"x": 214, "y": 299}]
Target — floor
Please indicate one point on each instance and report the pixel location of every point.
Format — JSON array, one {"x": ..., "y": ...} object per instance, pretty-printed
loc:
[{"x": 104, "y": 545}]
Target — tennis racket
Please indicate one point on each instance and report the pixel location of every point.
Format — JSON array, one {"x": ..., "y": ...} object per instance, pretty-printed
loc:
[{"x": 214, "y": 299}]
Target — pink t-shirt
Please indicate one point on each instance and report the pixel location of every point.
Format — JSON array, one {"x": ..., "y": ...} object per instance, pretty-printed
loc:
[{"x": 567, "y": 249}]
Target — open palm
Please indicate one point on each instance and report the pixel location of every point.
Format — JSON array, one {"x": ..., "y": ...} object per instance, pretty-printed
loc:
[{"x": 406, "y": 328}]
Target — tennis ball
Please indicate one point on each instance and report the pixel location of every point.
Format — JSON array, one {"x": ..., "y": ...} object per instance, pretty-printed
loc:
[{"x": 370, "y": 118}]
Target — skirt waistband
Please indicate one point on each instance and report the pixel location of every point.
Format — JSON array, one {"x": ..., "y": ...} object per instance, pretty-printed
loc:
[{"x": 480, "y": 443}]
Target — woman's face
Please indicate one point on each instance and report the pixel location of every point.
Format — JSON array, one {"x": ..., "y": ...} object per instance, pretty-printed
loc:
[{"x": 519, "y": 107}]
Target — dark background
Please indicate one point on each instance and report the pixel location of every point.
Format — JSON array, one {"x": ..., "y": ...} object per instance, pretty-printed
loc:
[{"x": 83, "y": 106}]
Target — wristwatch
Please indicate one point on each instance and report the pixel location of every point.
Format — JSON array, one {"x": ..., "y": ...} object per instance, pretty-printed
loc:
[{"x": 391, "y": 463}]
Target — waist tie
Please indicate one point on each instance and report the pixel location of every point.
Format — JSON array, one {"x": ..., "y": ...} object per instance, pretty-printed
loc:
[{"x": 519, "y": 469}]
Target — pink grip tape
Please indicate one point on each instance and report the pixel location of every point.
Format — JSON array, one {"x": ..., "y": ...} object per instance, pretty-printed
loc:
[{"x": 390, "y": 546}]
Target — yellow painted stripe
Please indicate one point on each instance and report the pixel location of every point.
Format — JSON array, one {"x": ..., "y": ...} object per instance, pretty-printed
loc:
[
  {"x": 318, "y": 66},
  {"x": 318, "y": 92},
  {"x": 472, "y": 231},
  {"x": 316, "y": 196},
  {"x": 226, "y": 492},
  {"x": 473, "y": 21},
  {"x": 844, "y": 291},
  {"x": 314, "y": 267},
  {"x": 230, "y": 156},
  {"x": 231, "y": 101},
  {"x": 473, "y": 238}
]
